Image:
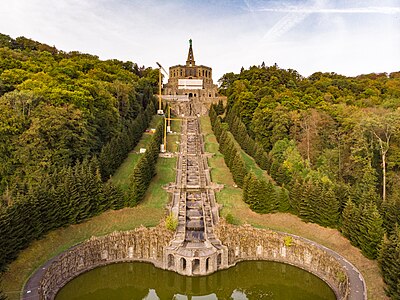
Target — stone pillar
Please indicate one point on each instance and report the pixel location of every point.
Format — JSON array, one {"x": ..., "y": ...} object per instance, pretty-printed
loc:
[
  {"x": 189, "y": 267},
  {"x": 203, "y": 269}
]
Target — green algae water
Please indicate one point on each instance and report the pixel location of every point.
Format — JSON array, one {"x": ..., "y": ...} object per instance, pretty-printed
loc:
[{"x": 247, "y": 280}]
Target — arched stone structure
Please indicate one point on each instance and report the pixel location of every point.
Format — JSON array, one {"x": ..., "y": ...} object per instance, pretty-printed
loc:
[
  {"x": 196, "y": 82},
  {"x": 241, "y": 242}
]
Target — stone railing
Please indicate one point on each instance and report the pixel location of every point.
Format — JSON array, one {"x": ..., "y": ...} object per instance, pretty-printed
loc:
[
  {"x": 248, "y": 243},
  {"x": 141, "y": 244}
]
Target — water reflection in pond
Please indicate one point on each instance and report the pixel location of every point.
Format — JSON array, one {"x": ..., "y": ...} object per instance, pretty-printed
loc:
[{"x": 248, "y": 280}]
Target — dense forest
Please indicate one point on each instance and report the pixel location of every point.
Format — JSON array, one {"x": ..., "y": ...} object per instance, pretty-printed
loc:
[
  {"x": 67, "y": 121},
  {"x": 332, "y": 142}
]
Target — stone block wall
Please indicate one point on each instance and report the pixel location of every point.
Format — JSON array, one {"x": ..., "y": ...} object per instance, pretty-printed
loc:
[
  {"x": 198, "y": 105},
  {"x": 248, "y": 243},
  {"x": 240, "y": 243},
  {"x": 141, "y": 244}
]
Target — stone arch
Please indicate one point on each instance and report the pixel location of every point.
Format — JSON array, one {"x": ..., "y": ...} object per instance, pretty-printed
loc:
[
  {"x": 219, "y": 260},
  {"x": 190, "y": 95},
  {"x": 196, "y": 266},
  {"x": 183, "y": 264},
  {"x": 171, "y": 261}
]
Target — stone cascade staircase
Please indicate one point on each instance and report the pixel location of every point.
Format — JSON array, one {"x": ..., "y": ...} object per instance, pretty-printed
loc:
[{"x": 195, "y": 250}]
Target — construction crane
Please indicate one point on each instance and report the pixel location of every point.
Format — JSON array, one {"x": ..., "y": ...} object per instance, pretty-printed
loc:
[
  {"x": 160, "y": 67},
  {"x": 167, "y": 120}
]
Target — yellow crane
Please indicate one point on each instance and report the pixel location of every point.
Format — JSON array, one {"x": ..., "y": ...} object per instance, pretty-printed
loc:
[
  {"x": 167, "y": 120},
  {"x": 160, "y": 67}
]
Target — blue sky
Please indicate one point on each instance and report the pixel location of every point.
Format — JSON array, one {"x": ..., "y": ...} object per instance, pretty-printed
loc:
[{"x": 348, "y": 37}]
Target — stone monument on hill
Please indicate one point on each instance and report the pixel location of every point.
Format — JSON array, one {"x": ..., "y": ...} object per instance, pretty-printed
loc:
[{"x": 193, "y": 81}]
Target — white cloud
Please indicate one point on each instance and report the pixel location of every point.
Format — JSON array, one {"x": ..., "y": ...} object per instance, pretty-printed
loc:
[
  {"x": 352, "y": 10},
  {"x": 310, "y": 36}
]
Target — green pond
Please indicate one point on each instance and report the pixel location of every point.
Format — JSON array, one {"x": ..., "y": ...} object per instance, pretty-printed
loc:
[{"x": 247, "y": 280}]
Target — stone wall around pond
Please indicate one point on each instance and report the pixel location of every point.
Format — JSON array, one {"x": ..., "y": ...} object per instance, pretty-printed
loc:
[
  {"x": 249, "y": 243},
  {"x": 148, "y": 245},
  {"x": 141, "y": 244}
]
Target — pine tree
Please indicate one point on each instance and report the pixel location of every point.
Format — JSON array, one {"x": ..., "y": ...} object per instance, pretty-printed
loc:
[
  {"x": 239, "y": 170},
  {"x": 233, "y": 126},
  {"x": 371, "y": 231},
  {"x": 268, "y": 196},
  {"x": 252, "y": 191},
  {"x": 282, "y": 195},
  {"x": 389, "y": 263},
  {"x": 329, "y": 208},
  {"x": 262, "y": 158},
  {"x": 350, "y": 221},
  {"x": 222, "y": 141},
  {"x": 390, "y": 212},
  {"x": 342, "y": 193},
  {"x": 217, "y": 129},
  {"x": 212, "y": 114},
  {"x": 113, "y": 195},
  {"x": 219, "y": 108},
  {"x": 295, "y": 194},
  {"x": 306, "y": 208},
  {"x": 245, "y": 187}
]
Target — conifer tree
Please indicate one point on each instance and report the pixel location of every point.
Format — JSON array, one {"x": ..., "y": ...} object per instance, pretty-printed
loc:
[
  {"x": 304, "y": 201},
  {"x": 231, "y": 154},
  {"x": 295, "y": 194},
  {"x": 239, "y": 170},
  {"x": 261, "y": 157},
  {"x": 217, "y": 129},
  {"x": 390, "y": 212},
  {"x": 329, "y": 208},
  {"x": 113, "y": 195},
  {"x": 219, "y": 108},
  {"x": 389, "y": 263},
  {"x": 245, "y": 187},
  {"x": 350, "y": 222},
  {"x": 371, "y": 230},
  {"x": 269, "y": 202},
  {"x": 282, "y": 195},
  {"x": 252, "y": 190},
  {"x": 213, "y": 115}
]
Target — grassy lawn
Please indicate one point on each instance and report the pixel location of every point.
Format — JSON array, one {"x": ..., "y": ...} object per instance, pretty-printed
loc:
[
  {"x": 148, "y": 213},
  {"x": 121, "y": 176},
  {"x": 231, "y": 200},
  {"x": 252, "y": 165},
  {"x": 156, "y": 197}
]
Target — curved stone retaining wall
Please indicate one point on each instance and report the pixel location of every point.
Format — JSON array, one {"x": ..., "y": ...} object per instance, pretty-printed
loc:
[
  {"x": 241, "y": 242},
  {"x": 248, "y": 243},
  {"x": 141, "y": 244}
]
